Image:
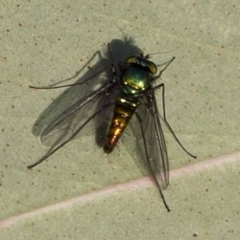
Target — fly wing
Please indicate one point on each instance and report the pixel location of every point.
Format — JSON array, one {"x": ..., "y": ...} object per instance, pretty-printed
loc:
[
  {"x": 75, "y": 118},
  {"x": 150, "y": 140},
  {"x": 72, "y": 121}
]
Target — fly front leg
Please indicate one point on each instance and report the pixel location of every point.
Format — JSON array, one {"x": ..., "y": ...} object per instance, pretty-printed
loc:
[
  {"x": 96, "y": 69},
  {"x": 162, "y": 87}
]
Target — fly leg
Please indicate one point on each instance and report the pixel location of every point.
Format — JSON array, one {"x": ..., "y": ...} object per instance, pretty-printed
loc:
[
  {"x": 162, "y": 86},
  {"x": 97, "y": 69}
]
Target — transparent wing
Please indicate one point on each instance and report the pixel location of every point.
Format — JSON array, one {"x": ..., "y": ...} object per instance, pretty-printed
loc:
[
  {"x": 150, "y": 142},
  {"x": 72, "y": 121}
]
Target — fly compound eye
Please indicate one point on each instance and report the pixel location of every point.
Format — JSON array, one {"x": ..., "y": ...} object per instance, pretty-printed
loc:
[
  {"x": 131, "y": 60},
  {"x": 152, "y": 67}
]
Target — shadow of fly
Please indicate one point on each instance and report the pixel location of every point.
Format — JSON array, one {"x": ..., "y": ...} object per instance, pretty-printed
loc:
[{"x": 129, "y": 93}]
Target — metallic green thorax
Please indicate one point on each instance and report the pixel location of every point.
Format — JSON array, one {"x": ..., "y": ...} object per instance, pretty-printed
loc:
[{"x": 134, "y": 83}]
